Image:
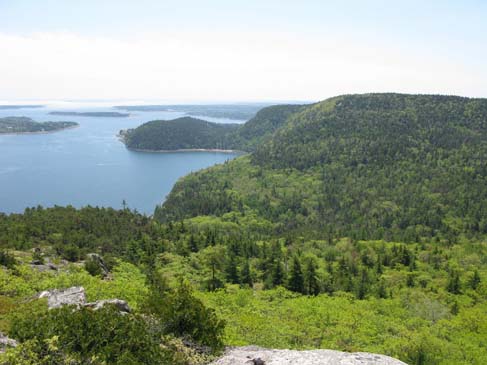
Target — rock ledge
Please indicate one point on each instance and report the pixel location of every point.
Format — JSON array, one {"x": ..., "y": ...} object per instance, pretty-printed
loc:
[{"x": 252, "y": 355}]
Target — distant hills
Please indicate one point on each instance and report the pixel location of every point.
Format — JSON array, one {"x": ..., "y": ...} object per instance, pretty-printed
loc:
[
  {"x": 18, "y": 125},
  {"x": 20, "y": 106},
  {"x": 91, "y": 114},
  {"x": 228, "y": 111},
  {"x": 373, "y": 166}
]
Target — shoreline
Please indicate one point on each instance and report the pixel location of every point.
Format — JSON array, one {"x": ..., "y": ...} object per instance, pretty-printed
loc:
[
  {"x": 186, "y": 150},
  {"x": 38, "y": 132}
]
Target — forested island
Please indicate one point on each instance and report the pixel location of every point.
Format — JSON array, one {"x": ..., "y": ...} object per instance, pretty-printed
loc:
[
  {"x": 92, "y": 114},
  {"x": 179, "y": 134},
  {"x": 228, "y": 111},
  {"x": 354, "y": 224},
  {"x": 24, "y": 125}
]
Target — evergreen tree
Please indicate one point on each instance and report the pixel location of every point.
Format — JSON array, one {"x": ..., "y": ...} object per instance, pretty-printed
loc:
[
  {"x": 245, "y": 276},
  {"x": 296, "y": 279},
  {"x": 475, "y": 280},
  {"x": 277, "y": 274},
  {"x": 231, "y": 272},
  {"x": 310, "y": 278},
  {"x": 454, "y": 285}
]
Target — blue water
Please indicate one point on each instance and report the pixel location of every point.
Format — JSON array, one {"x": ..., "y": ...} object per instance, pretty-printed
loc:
[{"x": 88, "y": 165}]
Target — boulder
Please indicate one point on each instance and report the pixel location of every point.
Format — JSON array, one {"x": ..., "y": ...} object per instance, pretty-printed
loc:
[
  {"x": 6, "y": 342},
  {"x": 99, "y": 261},
  {"x": 121, "y": 305},
  {"x": 71, "y": 296},
  {"x": 76, "y": 296},
  {"x": 256, "y": 355},
  {"x": 43, "y": 267}
]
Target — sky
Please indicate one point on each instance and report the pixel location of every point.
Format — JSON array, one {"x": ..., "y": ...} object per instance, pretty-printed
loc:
[{"x": 239, "y": 50}]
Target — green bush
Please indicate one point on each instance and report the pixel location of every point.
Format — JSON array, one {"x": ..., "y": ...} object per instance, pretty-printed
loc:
[
  {"x": 183, "y": 315},
  {"x": 7, "y": 260},
  {"x": 86, "y": 335}
]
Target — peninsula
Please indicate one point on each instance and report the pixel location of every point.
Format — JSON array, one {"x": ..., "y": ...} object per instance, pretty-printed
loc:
[{"x": 24, "y": 125}]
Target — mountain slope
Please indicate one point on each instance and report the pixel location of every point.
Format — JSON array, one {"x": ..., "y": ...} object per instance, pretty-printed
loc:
[{"x": 369, "y": 166}]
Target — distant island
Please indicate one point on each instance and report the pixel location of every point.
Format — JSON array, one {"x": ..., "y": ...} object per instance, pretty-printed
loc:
[
  {"x": 228, "y": 111},
  {"x": 24, "y": 125},
  {"x": 193, "y": 134},
  {"x": 7, "y": 107},
  {"x": 93, "y": 114}
]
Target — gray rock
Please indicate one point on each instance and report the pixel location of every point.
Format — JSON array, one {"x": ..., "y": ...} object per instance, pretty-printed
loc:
[
  {"x": 251, "y": 355},
  {"x": 99, "y": 261},
  {"x": 43, "y": 267},
  {"x": 121, "y": 305},
  {"x": 76, "y": 296},
  {"x": 6, "y": 342},
  {"x": 71, "y": 296}
]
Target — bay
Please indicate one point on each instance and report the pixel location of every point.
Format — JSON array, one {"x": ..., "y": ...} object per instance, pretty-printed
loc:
[{"x": 88, "y": 165}]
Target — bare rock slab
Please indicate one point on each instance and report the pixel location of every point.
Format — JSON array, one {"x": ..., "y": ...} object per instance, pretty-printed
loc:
[
  {"x": 251, "y": 355},
  {"x": 71, "y": 296}
]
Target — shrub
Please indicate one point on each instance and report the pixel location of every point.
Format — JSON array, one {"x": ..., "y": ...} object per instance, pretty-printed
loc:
[
  {"x": 7, "y": 260},
  {"x": 85, "y": 334},
  {"x": 183, "y": 315}
]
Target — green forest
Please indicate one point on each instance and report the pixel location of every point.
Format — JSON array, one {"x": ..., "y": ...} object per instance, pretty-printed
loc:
[
  {"x": 355, "y": 224},
  {"x": 177, "y": 134}
]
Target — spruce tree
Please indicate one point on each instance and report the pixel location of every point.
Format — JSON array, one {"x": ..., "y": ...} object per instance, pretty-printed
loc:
[
  {"x": 245, "y": 276},
  {"x": 296, "y": 279},
  {"x": 311, "y": 279}
]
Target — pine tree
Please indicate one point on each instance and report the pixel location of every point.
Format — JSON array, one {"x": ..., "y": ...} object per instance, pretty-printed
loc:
[
  {"x": 245, "y": 276},
  {"x": 311, "y": 279},
  {"x": 278, "y": 277},
  {"x": 454, "y": 285},
  {"x": 296, "y": 280},
  {"x": 475, "y": 280},
  {"x": 231, "y": 271}
]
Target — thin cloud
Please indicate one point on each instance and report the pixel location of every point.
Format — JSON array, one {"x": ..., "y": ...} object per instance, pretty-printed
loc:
[{"x": 202, "y": 66}]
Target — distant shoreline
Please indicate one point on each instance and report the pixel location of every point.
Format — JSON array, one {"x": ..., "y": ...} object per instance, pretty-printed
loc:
[
  {"x": 39, "y": 132},
  {"x": 91, "y": 114},
  {"x": 186, "y": 150}
]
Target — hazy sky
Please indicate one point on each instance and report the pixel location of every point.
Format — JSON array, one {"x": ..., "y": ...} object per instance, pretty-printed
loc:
[{"x": 227, "y": 50}]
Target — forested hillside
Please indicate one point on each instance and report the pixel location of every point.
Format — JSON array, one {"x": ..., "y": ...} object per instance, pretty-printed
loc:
[{"x": 378, "y": 166}]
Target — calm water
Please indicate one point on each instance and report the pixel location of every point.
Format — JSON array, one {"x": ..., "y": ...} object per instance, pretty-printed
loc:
[{"x": 88, "y": 165}]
